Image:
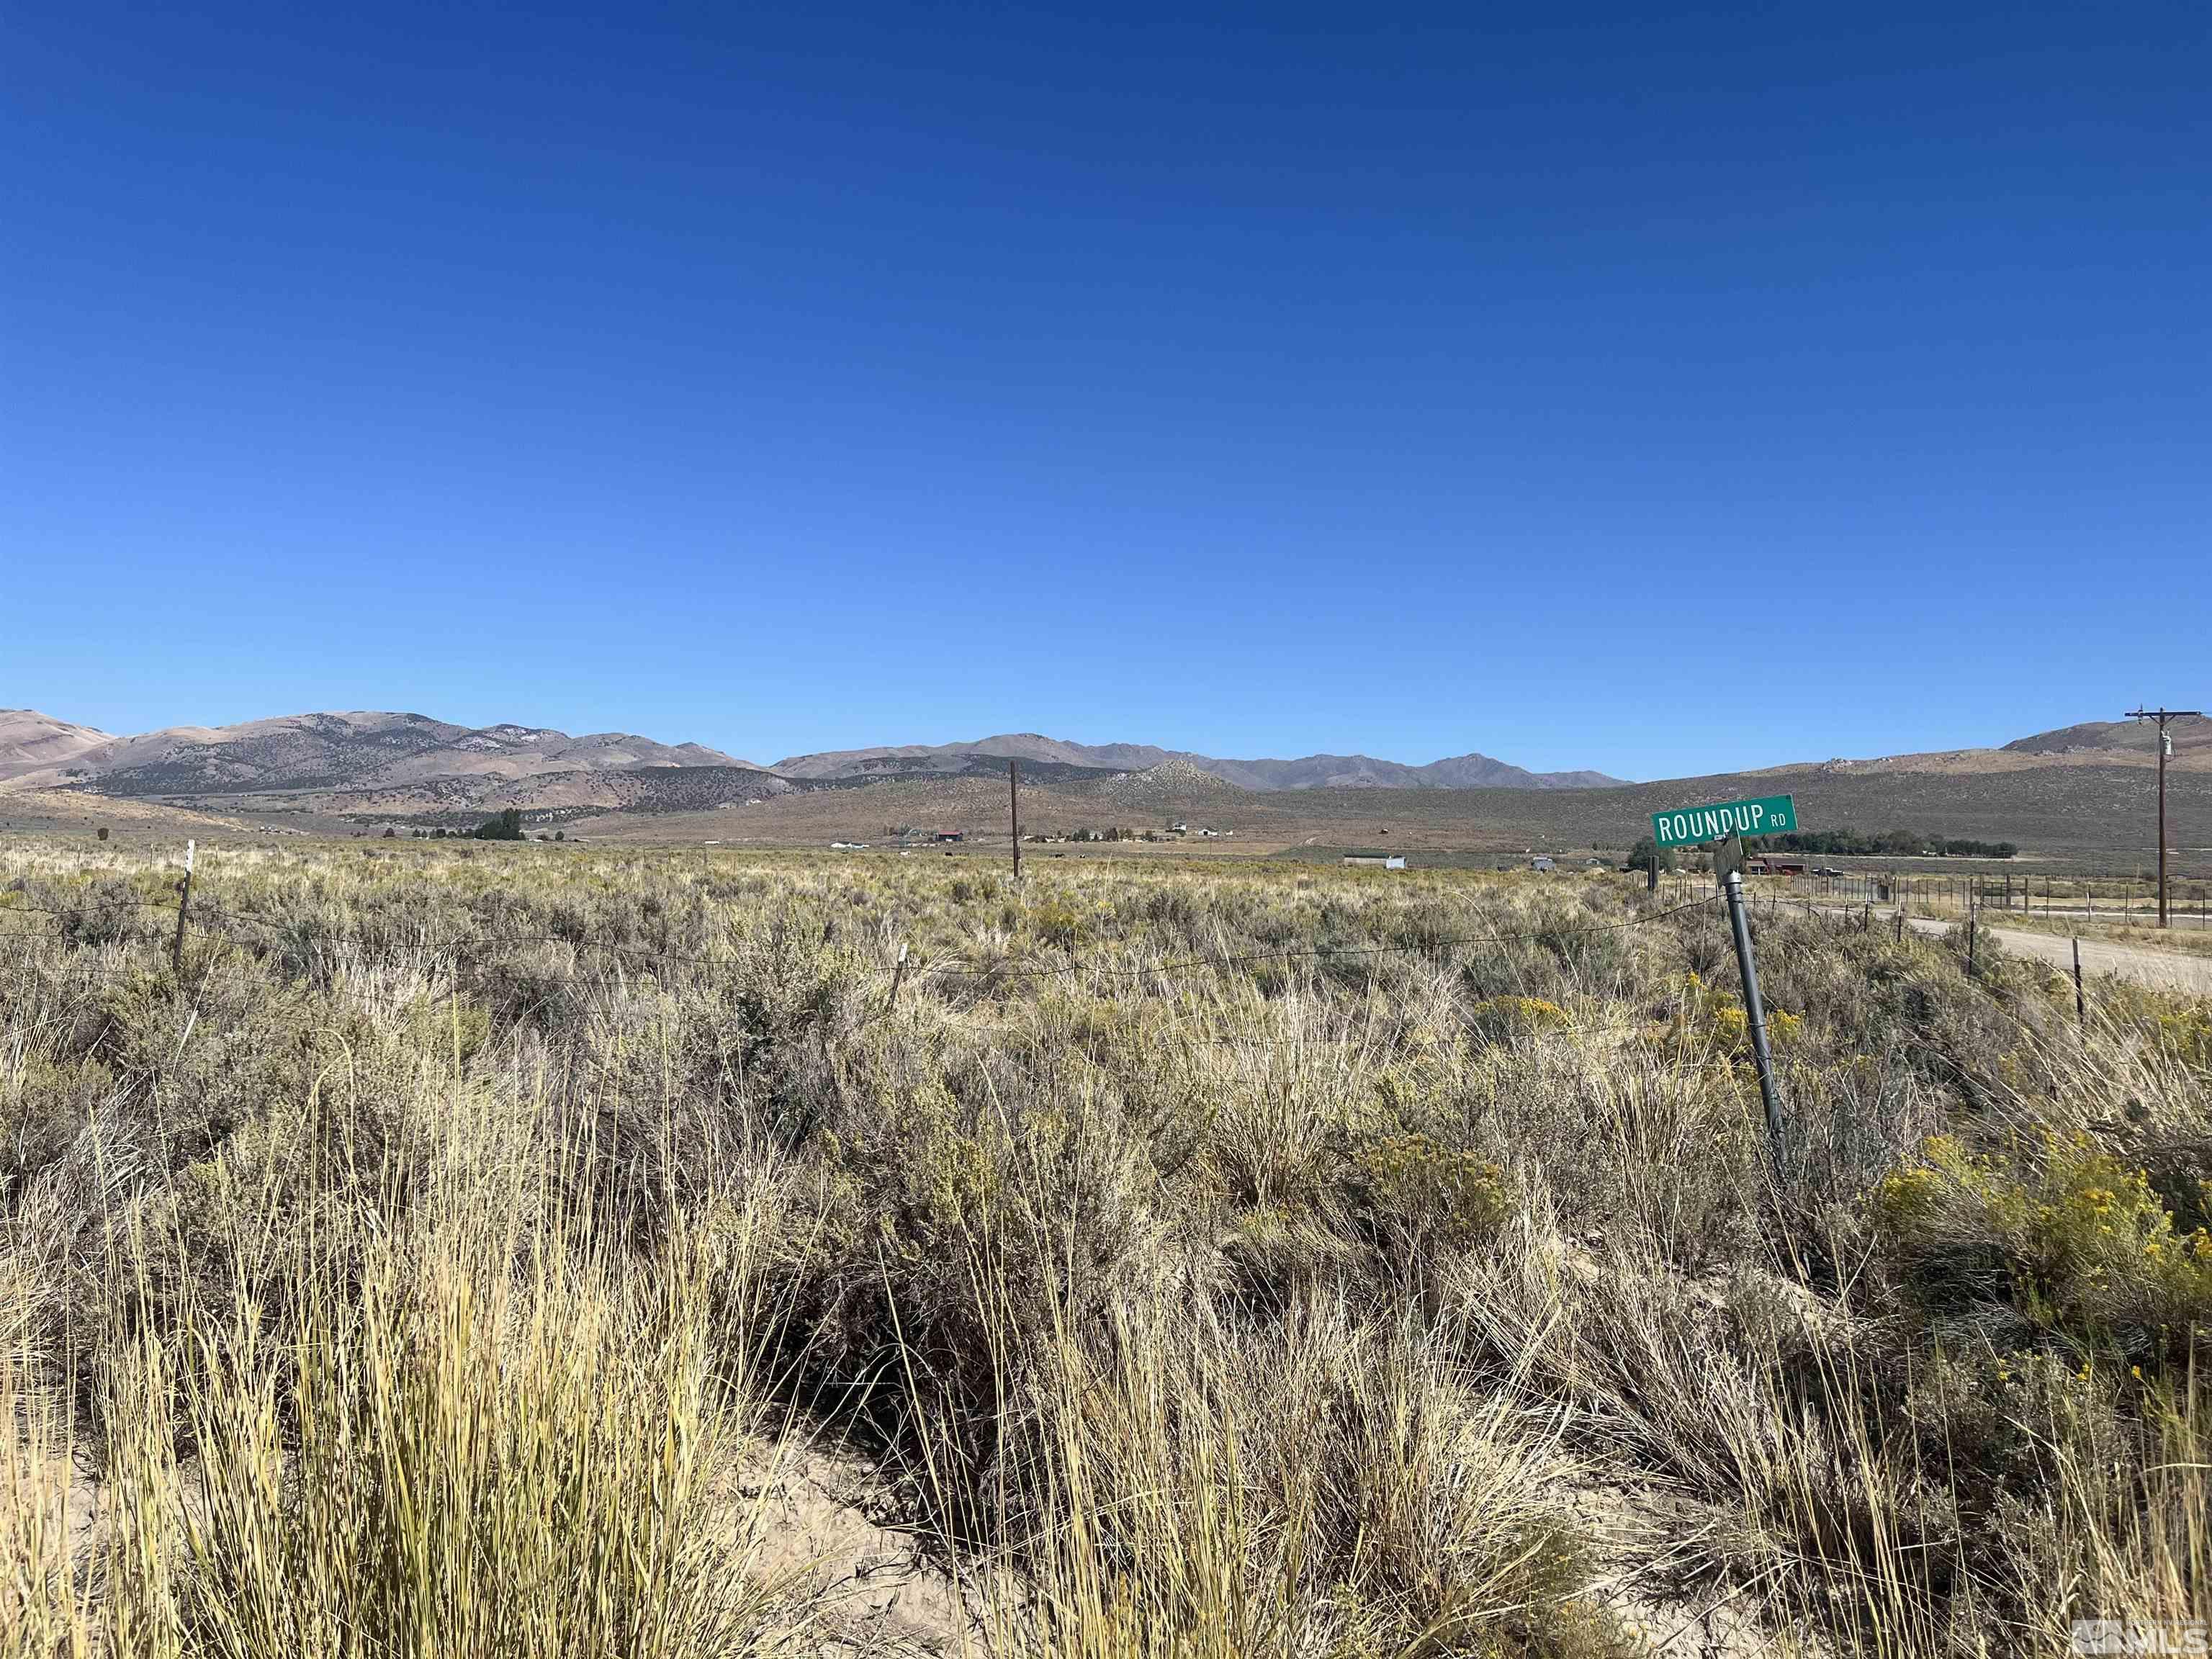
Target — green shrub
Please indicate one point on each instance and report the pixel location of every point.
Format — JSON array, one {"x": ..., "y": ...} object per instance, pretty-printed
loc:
[
  {"x": 1055, "y": 923},
  {"x": 2084, "y": 1243},
  {"x": 1515, "y": 1018},
  {"x": 1418, "y": 1195}
]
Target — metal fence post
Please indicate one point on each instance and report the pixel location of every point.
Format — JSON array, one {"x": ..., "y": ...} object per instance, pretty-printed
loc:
[
  {"x": 1755, "y": 1016},
  {"x": 184, "y": 905}
]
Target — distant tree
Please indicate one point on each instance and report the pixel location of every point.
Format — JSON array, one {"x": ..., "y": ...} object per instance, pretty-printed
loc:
[
  {"x": 1881, "y": 843},
  {"x": 1646, "y": 853},
  {"x": 508, "y": 826},
  {"x": 103, "y": 832},
  {"x": 560, "y": 835},
  {"x": 390, "y": 833}
]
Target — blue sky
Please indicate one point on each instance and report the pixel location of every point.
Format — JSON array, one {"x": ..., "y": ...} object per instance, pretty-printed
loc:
[{"x": 1588, "y": 387}]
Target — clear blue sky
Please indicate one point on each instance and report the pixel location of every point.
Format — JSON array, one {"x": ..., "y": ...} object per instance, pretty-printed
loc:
[{"x": 1586, "y": 386}]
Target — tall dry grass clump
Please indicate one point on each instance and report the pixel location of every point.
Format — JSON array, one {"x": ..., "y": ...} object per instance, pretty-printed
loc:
[{"x": 435, "y": 1460}]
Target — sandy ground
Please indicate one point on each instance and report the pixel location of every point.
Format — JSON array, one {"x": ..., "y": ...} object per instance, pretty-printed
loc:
[{"x": 824, "y": 1529}]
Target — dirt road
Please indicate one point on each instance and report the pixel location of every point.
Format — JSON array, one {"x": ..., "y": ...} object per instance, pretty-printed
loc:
[{"x": 2167, "y": 969}]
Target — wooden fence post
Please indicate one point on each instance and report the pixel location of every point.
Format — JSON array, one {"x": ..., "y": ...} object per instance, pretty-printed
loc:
[{"x": 1970, "y": 885}]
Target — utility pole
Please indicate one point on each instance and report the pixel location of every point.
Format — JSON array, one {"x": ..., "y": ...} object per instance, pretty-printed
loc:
[
  {"x": 2165, "y": 748},
  {"x": 1014, "y": 811}
]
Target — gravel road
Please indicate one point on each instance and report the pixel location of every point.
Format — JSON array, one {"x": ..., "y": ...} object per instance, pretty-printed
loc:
[{"x": 2167, "y": 969}]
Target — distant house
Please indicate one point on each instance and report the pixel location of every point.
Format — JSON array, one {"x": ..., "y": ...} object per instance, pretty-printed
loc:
[
  {"x": 1540, "y": 862},
  {"x": 1774, "y": 864},
  {"x": 950, "y": 834},
  {"x": 1376, "y": 860}
]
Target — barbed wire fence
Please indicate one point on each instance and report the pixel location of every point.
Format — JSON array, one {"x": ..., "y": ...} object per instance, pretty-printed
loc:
[
  {"x": 2119, "y": 900},
  {"x": 1838, "y": 903},
  {"x": 208, "y": 922}
]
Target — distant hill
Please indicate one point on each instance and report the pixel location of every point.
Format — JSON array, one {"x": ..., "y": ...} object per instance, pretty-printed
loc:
[
  {"x": 1309, "y": 772},
  {"x": 1468, "y": 771},
  {"x": 32, "y": 741},
  {"x": 401, "y": 757},
  {"x": 2121, "y": 739},
  {"x": 644, "y": 790}
]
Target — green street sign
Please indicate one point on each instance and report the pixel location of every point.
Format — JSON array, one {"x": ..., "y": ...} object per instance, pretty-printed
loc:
[{"x": 1691, "y": 826}]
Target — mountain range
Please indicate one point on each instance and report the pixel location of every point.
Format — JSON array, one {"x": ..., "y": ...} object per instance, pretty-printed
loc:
[
  {"x": 1469, "y": 771},
  {"x": 333, "y": 769},
  {"x": 395, "y": 753}
]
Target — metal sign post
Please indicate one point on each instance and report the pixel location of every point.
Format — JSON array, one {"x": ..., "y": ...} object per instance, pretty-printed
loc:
[
  {"x": 1755, "y": 1016},
  {"x": 1724, "y": 825},
  {"x": 1728, "y": 857}
]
